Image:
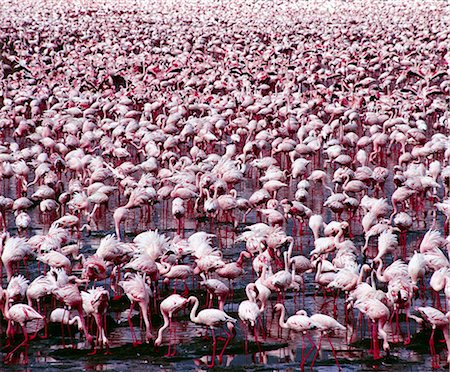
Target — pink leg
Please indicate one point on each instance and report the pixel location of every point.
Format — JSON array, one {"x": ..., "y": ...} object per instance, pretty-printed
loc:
[
  {"x": 317, "y": 351},
  {"x": 334, "y": 352},
  {"x": 213, "y": 357},
  {"x": 24, "y": 342},
  {"x": 376, "y": 349},
  {"x": 170, "y": 339},
  {"x": 224, "y": 347},
  {"x": 434, "y": 357},
  {"x": 130, "y": 323}
]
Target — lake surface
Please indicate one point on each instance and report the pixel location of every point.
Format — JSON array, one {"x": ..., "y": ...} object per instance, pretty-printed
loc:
[{"x": 275, "y": 350}]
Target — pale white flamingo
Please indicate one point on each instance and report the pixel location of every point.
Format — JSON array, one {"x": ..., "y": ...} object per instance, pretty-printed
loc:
[
  {"x": 168, "y": 307},
  {"x": 20, "y": 314},
  {"x": 212, "y": 318},
  {"x": 95, "y": 303},
  {"x": 138, "y": 292}
]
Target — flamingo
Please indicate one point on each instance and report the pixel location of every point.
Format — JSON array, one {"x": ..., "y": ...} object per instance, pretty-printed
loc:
[
  {"x": 138, "y": 292},
  {"x": 63, "y": 316},
  {"x": 378, "y": 313},
  {"x": 440, "y": 321},
  {"x": 299, "y": 323},
  {"x": 70, "y": 295},
  {"x": 14, "y": 250},
  {"x": 40, "y": 287},
  {"x": 248, "y": 310},
  {"x": 20, "y": 314},
  {"x": 233, "y": 270},
  {"x": 212, "y": 318},
  {"x": 95, "y": 302},
  {"x": 177, "y": 272},
  {"x": 326, "y": 324},
  {"x": 168, "y": 307},
  {"x": 216, "y": 288}
]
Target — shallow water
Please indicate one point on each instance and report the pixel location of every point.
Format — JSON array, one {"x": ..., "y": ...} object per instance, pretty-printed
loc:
[{"x": 275, "y": 350}]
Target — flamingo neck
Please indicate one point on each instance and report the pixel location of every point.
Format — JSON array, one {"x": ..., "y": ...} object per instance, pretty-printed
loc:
[
  {"x": 76, "y": 319},
  {"x": 248, "y": 292},
  {"x": 282, "y": 322},
  {"x": 319, "y": 270},
  {"x": 6, "y": 308},
  {"x": 379, "y": 275},
  {"x": 361, "y": 274},
  {"x": 286, "y": 263},
  {"x": 240, "y": 260},
  {"x": 165, "y": 325},
  {"x": 193, "y": 317},
  {"x": 291, "y": 246}
]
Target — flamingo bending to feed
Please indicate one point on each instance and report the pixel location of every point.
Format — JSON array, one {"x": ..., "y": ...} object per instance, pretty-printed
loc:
[
  {"x": 439, "y": 320},
  {"x": 138, "y": 291},
  {"x": 63, "y": 316},
  {"x": 21, "y": 314},
  {"x": 95, "y": 302},
  {"x": 378, "y": 313},
  {"x": 326, "y": 324},
  {"x": 168, "y": 307}
]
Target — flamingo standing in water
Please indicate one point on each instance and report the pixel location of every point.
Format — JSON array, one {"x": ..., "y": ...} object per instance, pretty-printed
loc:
[
  {"x": 212, "y": 318},
  {"x": 378, "y": 313},
  {"x": 63, "y": 316},
  {"x": 248, "y": 310},
  {"x": 299, "y": 323},
  {"x": 95, "y": 302},
  {"x": 71, "y": 296},
  {"x": 438, "y": 320},
  {"x": 326, "y": 324},
  {"x": 168, "y": 307},
  {"x": 138, "y": 292},
  {"x": 20, "y": 314}
]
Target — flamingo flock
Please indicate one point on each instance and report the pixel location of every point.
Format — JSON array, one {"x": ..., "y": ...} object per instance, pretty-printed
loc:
[{"x": 260, "y": 158}]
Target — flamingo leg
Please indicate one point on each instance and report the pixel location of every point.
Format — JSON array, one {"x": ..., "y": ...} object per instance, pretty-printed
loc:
[
  {"x": 334, "y": 353},
  {"x": 224, "y": 346},
  {"x": 434, "y": 357},
  {"x": 130, "y": 323},
  {"x": 213, "y": 356},
  {"x": 24, "y": 342},
  {"x": 317, "y": 351},
  {"x": 170, "y": 338},
  {"x": 174, "y": 338}
]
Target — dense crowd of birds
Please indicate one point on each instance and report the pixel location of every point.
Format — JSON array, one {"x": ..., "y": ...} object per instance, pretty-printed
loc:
[{"x": 212, "y": 125}]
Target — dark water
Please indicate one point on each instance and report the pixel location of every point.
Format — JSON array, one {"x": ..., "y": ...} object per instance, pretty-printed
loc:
[{"x": 276, "y": 350}]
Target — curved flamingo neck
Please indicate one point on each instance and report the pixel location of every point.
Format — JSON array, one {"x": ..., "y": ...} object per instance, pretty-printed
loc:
[
  {"x": 192, "y": 316},
  {"x": 164, "y": 326},
  {"x": 319, "y": 270},
  {"x": 380, "y": 276},
  {"x": 76, "y": 319},
  {"x": 248, "y": 291},
  {"x": 361, "y": 274},
  {"x": 240, "y": 260},
  {"x": 291, "y": 246},
  {"x": 282, "y": 321},
  {"x": 6, "y": 308}
]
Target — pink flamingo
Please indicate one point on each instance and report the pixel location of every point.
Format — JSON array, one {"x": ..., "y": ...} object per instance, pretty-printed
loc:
[
  {"x": 440, "y": 321},
  {"x": 168, "y": 307},
  {"x": 20, "y": 314},
  {"x": 212, "y": 318},
  {"x": 95, "y": 302},
  {"x": 138, "y": 292}
]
